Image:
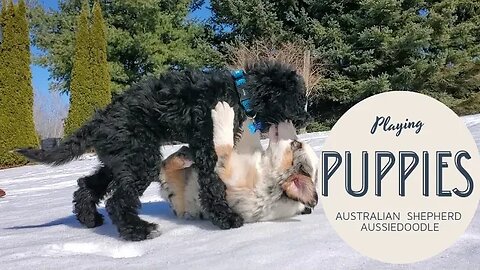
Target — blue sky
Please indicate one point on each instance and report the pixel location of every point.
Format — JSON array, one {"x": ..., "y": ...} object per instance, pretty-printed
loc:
[{"x": 40, "y": 75}]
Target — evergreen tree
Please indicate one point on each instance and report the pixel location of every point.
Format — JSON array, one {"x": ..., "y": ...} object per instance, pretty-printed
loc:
[
  {"x": 3, "y": 9},
  {"x": 371, "y": 46},
  {"x": 16, "y": 93},
  {"x": 144, "y": 37},
  {"x": 82, "y": 97},
  {"x": 98, "y": 56}
]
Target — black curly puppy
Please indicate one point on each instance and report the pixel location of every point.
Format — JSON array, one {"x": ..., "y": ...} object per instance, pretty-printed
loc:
[{"x": 128, "y": 133}]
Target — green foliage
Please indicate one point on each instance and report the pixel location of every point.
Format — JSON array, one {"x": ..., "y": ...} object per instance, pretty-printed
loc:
[
  {"x": 468, "y": 106},
  {"x": 81, "y": 92},
  {"x": 371, "y": 46},
  {"x": 99, "y": 64},
  {"x": 16, "y": 93},
  {"x": 90, "y": 84},
  {"x": 317, "y": 127},
  {"x": 144, "y": 37}
]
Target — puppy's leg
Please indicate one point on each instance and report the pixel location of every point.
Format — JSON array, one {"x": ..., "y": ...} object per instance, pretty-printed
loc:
[
  {"x": 173, "y": 181},
  {"x": 248, "y": 143},
  {"x": 132, "y": 176},
  {"x": 223, "y": 140},
  {"x": 212, "y": 189},
  {"x": 91, "y": 189},
  {"x": 287, "y": 131},
  {"x": 223, "y": 117}
]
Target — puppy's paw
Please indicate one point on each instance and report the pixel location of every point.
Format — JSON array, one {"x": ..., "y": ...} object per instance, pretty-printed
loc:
[
  {"x": 287, "y": 131},
  {"x": 223, "y": 116},
  {"x": 155, "y": 232},
  {"x": 227, "y": 220},
  {"x": 223, "y": 113},
  {"x": 273, "y": 133},
  {"x": 91, "y": 220},
  {"x": 193, "y": 215},
  {"x": 140, "y": 231}
]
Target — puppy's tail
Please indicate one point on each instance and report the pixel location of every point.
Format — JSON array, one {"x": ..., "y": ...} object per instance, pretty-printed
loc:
[{"x": 69, "y": 149}]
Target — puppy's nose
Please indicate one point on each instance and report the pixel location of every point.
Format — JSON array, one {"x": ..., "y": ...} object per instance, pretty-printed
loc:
[
  {"x": 313, "y": 202},
  {"x": 307, "y": 211}
]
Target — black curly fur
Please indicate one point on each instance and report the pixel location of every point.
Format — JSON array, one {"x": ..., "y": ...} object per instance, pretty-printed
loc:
[
  {"x": 91, "y": 189},
  {"x": 128, "y": 133}
]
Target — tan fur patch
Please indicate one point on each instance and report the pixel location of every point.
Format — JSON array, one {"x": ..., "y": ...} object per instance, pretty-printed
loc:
[
  {"x": 249, "y": 180},
  {"x": 175, "y": 177},
  {"x": 224, "y": 151},
  {"x": 224, "y": 155},
  {"x": 252, "y": 178},
  {"x": 227, "y": 160},
  {"x": 173, "y": 164},
  {"x": 287, "y": 160}
]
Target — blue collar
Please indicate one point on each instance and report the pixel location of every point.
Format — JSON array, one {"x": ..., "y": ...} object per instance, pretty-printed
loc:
[{"x": 240, "y": 82}]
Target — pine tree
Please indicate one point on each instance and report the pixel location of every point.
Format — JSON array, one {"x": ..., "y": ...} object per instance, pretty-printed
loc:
[
  {"x": 3, "y": 21},
  {"x": 82, "y": 98},
  {"x": 99, "y": 65},
  {"x": 144, "y": 38},
  {"x": 371, "y": 46},
  {"x": 90, "y": 86},
  {"x": 16, "y": 92},
  {"x": 3, "y": 9}
]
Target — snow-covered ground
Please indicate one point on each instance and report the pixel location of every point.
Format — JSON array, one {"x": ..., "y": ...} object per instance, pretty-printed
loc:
[{"x": 38, "y": 231}]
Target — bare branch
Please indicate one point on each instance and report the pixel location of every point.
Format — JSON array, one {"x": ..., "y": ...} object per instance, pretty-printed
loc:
[
  {"x": 49, "y": 111},
  {"x": 297, "y": 55}
]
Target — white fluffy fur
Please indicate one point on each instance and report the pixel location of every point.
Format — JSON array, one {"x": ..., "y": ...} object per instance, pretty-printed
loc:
[{"x": 223, "y": 117}]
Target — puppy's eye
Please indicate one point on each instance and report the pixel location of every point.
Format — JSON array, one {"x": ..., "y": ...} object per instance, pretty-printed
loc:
[{"x": 295, "y": 145}]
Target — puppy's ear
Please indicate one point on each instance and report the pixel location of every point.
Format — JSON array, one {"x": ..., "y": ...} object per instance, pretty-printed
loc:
[{"x": 301, "y": 188}]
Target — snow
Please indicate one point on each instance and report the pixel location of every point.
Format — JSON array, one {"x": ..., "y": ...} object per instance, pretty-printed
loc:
[{"x": 39, "y": 231}]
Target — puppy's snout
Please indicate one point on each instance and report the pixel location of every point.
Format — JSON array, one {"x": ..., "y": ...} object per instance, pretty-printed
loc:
[
  {"x": 313, "y": 202},
  {"x": 307, "y": 211}
]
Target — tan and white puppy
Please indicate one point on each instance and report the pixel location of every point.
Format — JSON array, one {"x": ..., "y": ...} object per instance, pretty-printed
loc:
[{"x": 260, "y": 185}]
